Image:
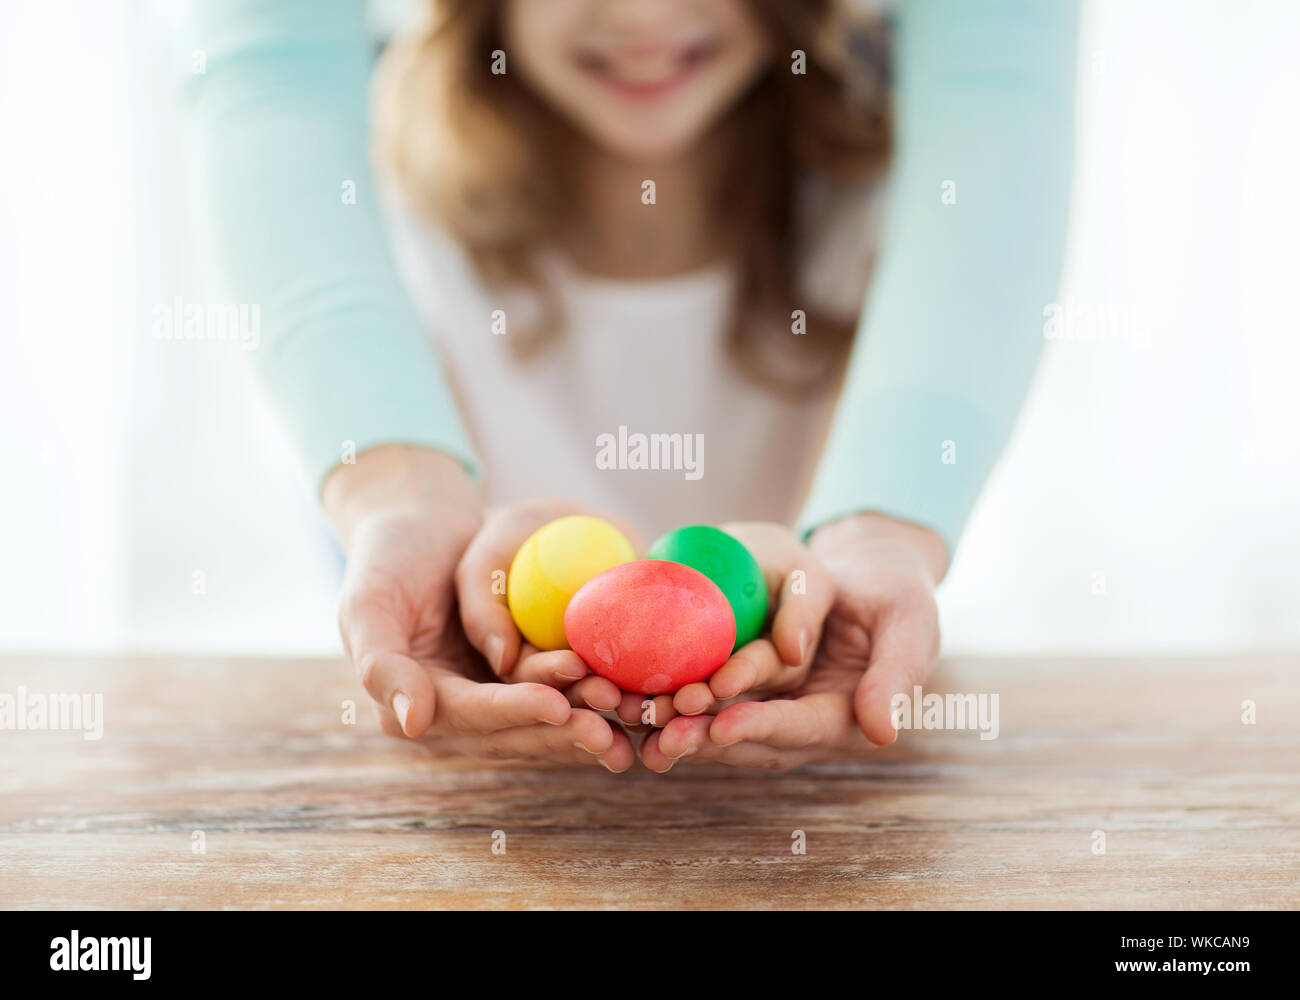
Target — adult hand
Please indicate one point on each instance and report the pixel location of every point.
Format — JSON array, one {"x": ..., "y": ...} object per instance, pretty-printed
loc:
[
  {"x": 800, "y": 593},
  {"x": 405, "y": 517},
  {"x": 880, "y": 639}
]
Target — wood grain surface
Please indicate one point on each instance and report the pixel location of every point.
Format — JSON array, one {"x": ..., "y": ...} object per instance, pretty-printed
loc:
[{"x": 297, "y": 809}]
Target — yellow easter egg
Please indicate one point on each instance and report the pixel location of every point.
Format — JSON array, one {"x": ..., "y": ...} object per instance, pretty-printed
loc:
[{"x": 550, "y": 567}]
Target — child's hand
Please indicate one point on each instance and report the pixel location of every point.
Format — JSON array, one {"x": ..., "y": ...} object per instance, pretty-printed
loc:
[
  {"x": 884, "y": 620},
  {"x": 486, "y": 616},
  {"x": 800, "y": 592},
  {"x": 405, "y": 516}
]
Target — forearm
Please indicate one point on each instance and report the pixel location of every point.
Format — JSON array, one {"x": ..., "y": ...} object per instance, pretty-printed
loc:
[
  {"x": 280, "y": 131},
  {"x": 400, "y": 478},
  {"x": 849, "y": 534},
  {"x": 952, "y": 329}
]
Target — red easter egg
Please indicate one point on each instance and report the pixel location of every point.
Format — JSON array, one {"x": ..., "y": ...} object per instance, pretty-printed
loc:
[{"x": 651, "y": 626}]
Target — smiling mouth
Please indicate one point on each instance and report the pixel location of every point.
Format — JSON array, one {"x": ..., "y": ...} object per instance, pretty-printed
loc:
[{"x": 649, "y": 72}]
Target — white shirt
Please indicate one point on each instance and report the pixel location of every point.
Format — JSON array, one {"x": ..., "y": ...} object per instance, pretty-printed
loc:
[{"x": 634, "y": 358}]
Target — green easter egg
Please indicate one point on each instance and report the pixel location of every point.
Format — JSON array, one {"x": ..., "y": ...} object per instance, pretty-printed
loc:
[{"x": 725, "y": 561}]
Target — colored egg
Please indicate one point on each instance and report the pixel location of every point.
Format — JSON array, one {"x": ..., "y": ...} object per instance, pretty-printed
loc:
[
  {"x": 651, "y": 626},
  {"x": 725, "y": 561},
  {"x": 551, "y": 566}
]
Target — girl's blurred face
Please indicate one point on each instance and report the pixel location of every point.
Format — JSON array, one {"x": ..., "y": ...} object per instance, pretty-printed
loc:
[{"x": 644, "y": 78}]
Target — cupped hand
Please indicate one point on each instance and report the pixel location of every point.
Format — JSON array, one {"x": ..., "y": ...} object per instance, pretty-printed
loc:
[
  {"x": 800, "y": 594},
  {"x": 406, "y": 516},
  {"x": 880, "y": 639},
  {"x": 485, "y": 615}
]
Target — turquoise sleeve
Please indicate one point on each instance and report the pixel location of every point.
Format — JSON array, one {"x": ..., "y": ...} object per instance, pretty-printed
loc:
[
  {"x": 281, "y": 136},
  {"x": 953, "y": 324}
]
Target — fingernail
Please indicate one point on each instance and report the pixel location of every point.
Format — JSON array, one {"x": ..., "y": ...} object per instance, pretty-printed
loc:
[
  {"x": 606, "y": 766},
  {"x": 401, "y": 708},
  {"x": 582, "y": 746},
  {"x": 804, "y": 639},
  {"x": 570, "y": 675},
  {"x": 685, "y": 753},
  {"x": 496, "y": 651}
]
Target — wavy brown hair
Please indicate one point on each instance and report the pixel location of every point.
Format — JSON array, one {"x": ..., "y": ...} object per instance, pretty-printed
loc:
[{"x": 479, "y": 154}]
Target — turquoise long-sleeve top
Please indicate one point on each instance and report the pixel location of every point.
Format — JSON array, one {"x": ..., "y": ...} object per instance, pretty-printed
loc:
[{"x": 949, "y": 336}]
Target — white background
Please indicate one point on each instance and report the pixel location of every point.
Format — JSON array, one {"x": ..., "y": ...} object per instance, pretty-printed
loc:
[{"x": 1150, "y": 499}]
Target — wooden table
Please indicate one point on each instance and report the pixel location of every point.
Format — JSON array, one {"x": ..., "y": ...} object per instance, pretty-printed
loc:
[{"x": 296, "y": 809}]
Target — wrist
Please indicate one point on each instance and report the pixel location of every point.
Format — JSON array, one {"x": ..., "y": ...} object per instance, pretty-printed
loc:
[
  {"x": 879, "y": 529},
  {"x": 401, "y": 478}
]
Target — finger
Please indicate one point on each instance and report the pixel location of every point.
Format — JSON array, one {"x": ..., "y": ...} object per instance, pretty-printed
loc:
[
  {"x": 621, "y": 755},
  {"x": 804, "y": 599},
  {"x": 800, "y": 588},
  {"x": 694, "y": 699},
  {"x": 697, "y": 699},
  {"x": 629, "y": 709},
  {"x": 595, "y": 692},
  {"x": 388, "y": 723},
  {"x": 904, "y": 647},
  {"x": 652, "y": 757},
  {"x": 380, "y": 649},
  {"x": 663, "y": 712},
  {"x": 815, "y": 720},
  {"x": 585, "y": 737},
  {"x": 563, "y": 669},
  {"x": 643, "y": 710},
  {"x": 560, "y": 668},
  {"x": 684, "y": 736},
  {"x": 471, "y": 706},
  {"x": 480, "y": 590},
  {"x": 756, "y": 666}
]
